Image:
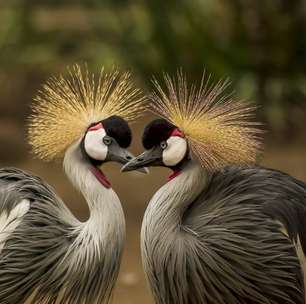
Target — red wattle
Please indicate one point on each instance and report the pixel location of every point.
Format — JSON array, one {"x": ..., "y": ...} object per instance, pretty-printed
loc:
[
  {"x": 174, "y": 174},
  {"x": 101, "y": 177}
]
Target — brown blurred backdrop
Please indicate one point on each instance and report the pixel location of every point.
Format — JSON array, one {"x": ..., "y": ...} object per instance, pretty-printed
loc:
[{"x": 259, "y": 45}]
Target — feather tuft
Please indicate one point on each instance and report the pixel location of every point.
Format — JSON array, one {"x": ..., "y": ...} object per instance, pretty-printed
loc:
[
  {"x": 220, "y": 129},
  {"x": 66, "y": 107}
]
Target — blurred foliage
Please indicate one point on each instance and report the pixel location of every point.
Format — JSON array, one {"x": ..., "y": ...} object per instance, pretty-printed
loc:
[{"x": 260, "y": 45}]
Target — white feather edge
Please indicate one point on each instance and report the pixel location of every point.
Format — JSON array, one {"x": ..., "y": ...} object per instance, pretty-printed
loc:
[{"x": 9, "y": 222}]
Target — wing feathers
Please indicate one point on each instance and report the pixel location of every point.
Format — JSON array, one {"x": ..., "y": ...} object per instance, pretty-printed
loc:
[{"x": 10, "y": 221}]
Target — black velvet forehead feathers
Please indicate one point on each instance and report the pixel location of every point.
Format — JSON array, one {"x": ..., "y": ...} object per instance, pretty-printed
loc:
[
  {"x": 155, "y": 132},
  {"x": 117, "y": 128}
]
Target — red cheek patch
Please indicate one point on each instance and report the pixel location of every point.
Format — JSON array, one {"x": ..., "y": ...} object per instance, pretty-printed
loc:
[
  {"x": 96, "y": 127},
  {"x": 177, "y": 132}
]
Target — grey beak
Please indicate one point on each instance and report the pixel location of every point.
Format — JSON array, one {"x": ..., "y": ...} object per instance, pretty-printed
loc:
[
  {"x": 128, "y": 158},
  {"x": 146, "y": 158},
  {"x": 122, "y": 156}
]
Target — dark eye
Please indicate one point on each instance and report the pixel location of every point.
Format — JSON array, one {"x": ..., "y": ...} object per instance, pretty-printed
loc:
[
  {"x": 107, "y": 140},
  {"x": 163, "y": 145}
]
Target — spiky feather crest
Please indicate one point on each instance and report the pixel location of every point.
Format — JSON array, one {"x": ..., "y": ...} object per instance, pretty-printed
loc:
[
  {"x": 220, "y": 129},
  {"x": 66, "y": 107}
]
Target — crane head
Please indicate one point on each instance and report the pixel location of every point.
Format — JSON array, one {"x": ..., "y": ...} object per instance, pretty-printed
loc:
[
  {"x": 220, "y": 130},
  {"x": 107, "y": 141},
  {"x": 68, "y": 107},
  {"x": 165, "y": 146}
]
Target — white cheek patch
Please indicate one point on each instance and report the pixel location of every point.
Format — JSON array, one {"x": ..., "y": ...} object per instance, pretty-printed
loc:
[
  {"x": 175, "y": 152},
  {"x": 94, "y": 146}
]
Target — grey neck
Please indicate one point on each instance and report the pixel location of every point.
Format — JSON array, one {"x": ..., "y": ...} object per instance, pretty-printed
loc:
[
  {"x": 106, "y": 224},
  {"x": 165, "y": 210},
  {"x": 91, "y": 262}
]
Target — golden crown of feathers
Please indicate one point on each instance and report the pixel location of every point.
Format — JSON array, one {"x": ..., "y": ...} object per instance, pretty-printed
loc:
[
  {"x": 66, "y": 107},
  {"x": 219, "y": 129}
]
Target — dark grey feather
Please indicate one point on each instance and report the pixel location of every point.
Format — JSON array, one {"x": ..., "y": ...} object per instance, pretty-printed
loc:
[
  {"x": 228, "y": 247},
  {"x": 34, "y": 258}
]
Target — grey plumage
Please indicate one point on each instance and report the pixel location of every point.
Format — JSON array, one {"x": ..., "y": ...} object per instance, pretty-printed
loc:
[
  {"x": 27, "y": 247},
  {"x": 50, "y": 253},
  {"x": 219, "y": 238},
  {"x": 236, "y": 235},
  {"x": 37, "y": 256},
  {"x": 46, "y": 254}
]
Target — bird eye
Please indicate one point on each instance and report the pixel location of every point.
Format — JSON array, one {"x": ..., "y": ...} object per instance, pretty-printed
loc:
[
  {"x": 163, "y": 145},
  {"x": 107, "y": 140}
]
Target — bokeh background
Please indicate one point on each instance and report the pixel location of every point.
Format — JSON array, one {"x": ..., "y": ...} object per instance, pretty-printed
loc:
[{"x": 259, "y": 45}]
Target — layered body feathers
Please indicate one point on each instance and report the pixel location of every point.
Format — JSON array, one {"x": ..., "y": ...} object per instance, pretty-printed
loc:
[
  {"x": 46, "y": 254},
  {"x": 225, "y": 238},
  {"x": 221, "y": 230},
  {"x": 51, "y": 257}
]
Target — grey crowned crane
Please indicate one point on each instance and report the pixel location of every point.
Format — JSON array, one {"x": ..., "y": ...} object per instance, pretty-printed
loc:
[
  {"x": 46, "y": 254},
  {"x": 222, "y": 230}
]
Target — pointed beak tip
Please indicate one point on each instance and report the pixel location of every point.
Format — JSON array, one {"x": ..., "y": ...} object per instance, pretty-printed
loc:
[
  {"x": 127, "y": 168},
  {"x": 139, "y": 162},
  {"x": 123, "y": 169},
  {"x": 144, "y": 170}
]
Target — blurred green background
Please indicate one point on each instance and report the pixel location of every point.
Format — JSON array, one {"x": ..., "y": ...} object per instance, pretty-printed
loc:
[{"x": 259, "y": 45}]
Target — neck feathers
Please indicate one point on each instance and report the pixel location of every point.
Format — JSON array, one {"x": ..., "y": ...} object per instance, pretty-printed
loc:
[
  {"x": 161, "y": 228},
  {"x": 96, "y": 251},
  {"x": 167, "y": 206},
  {"x": 106, "y": 215}
]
